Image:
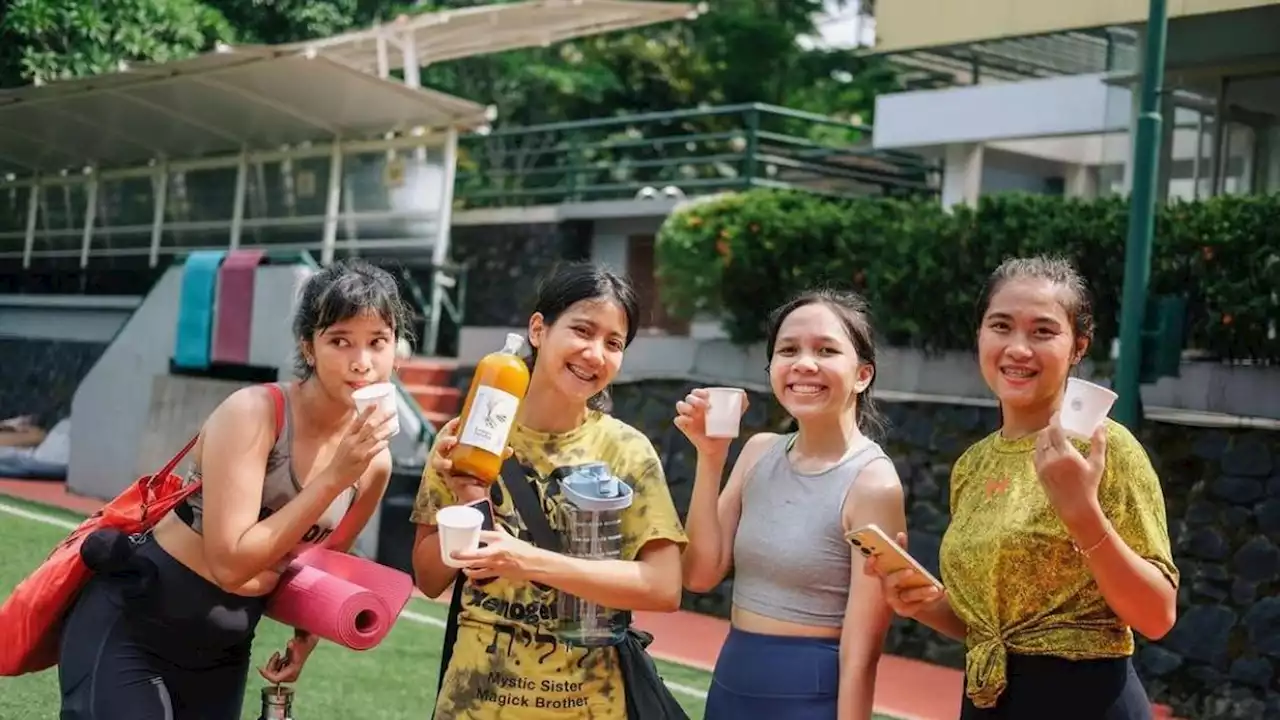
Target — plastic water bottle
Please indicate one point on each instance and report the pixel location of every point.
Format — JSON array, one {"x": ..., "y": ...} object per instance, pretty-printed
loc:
[{"x": 592, "y": 520}]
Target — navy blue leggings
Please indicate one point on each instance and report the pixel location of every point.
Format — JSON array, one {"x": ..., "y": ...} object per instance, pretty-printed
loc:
[
  {"x": 1052, "y": 688},
  {"x": 779, "y": 678},
  {"x": 155, "y": 641}
]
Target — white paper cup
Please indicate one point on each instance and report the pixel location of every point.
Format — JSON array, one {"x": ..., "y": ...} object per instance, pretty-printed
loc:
[
  {"x": 384, "y": 396},
  {"x": 725, "y": 412},
  {"x": 1084, "y": 407},
  {"x": 459, "y": 529}
]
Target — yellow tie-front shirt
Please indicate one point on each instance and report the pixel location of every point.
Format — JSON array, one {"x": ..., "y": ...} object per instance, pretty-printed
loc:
[{"x": 1012, "y": 574}]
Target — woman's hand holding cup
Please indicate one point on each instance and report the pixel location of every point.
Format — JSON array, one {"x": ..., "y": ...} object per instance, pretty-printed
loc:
[
  {"x": 710, "y": 417},
  {"x": 367, "y": 436}
]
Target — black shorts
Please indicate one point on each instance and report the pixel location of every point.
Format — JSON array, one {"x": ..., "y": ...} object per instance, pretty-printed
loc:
[
  {"x": 156, "y": 641},
  {"x": 1052, "y": 688}
]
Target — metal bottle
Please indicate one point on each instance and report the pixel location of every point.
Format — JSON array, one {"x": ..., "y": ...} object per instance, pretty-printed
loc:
[{"x": 277, "y": 703}]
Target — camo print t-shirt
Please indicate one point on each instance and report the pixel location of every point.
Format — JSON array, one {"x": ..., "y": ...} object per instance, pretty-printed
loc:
[{"x": 507, "y": 662}]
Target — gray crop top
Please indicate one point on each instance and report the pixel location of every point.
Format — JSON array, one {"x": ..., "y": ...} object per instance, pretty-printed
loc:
[
  {"x": 279, "y": 486},
  {"x": 791, "y": 561}
]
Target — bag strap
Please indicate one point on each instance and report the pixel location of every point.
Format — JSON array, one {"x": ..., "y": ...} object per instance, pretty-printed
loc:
[
  {"x": 525, "y": 498},
  {"x": 450, "y": 631}
]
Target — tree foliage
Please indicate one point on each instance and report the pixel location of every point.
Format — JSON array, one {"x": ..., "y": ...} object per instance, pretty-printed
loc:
[
  {"x": 44, "y": 40},
  {"x": 740, "y": 51}
]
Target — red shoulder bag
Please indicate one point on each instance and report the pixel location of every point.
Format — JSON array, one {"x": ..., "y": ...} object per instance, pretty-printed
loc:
[{"x": 33, "y": 614}]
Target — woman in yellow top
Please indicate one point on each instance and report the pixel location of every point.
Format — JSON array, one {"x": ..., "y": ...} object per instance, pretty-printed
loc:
[
  {"x": 1057, "y": 550},
  {"x": 507, "y": 660}
]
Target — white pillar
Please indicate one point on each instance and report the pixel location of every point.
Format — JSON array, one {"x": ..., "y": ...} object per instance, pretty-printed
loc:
[
  {"x": 90, "y": 218},
  {"x": 33, "y": 211},
  {"x": 160, "y": 182},
  {"x": 332, "y": 204},
  {"x": 237, "y": 207},
  {"x": 1081, "y": 182},
  {"x": 962, "y": 174}
]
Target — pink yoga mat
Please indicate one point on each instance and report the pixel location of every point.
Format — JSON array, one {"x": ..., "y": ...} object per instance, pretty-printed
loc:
[{"x": 344, "y": 599}]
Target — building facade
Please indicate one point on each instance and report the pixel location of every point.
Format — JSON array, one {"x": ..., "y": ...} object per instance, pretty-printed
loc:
[{"x": 1041, "y": 96}]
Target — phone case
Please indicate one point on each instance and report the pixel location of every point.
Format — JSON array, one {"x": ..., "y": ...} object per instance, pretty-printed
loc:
[
  {"x": 486, "y": 509},
  {"x": 871, "y": 541}
]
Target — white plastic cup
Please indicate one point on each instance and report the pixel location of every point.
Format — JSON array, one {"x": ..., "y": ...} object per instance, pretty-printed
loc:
[
  {"x": 459, "y": 529},
  {"x": 724, "y": 416},
  {"x": 1084, "y": 407},
  {"x": 383, "y": 395}
]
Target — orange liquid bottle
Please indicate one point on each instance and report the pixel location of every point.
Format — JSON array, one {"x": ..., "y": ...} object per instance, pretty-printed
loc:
[{"x": 497, "y": 388}]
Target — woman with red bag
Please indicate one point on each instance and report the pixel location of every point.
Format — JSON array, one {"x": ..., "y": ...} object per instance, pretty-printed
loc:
[{"x": 164, "y": 631}]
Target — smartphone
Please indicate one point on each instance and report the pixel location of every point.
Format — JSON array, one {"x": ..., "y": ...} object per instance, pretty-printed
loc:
[
  {"x": 486, "y": 509},
  {"x": 871, "y": 541}
]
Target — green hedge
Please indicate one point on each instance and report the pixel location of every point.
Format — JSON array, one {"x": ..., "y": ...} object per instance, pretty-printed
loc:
[{"x": 922, "y": 268}]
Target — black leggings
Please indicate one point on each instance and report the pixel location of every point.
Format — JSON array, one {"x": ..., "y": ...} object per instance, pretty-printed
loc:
[
  {"x": 1051, "y": 688},
  {"x": 155, "y": 641}
]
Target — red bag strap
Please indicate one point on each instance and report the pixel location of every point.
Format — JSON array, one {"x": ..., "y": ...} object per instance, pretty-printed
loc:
[{"x": 277, "y": 399}]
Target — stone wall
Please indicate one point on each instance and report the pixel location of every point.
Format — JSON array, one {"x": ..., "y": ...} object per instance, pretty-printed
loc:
[
  {"x": 39, "y": 377},
  {"x": 1223, "y": 495},
  {"x": 506, "y": 262}
]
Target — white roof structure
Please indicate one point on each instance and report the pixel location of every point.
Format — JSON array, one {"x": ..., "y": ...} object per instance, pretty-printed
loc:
[
  {"x": 452, "y": 34},
  {"x": 272, "y": 96},
  {"x": 220, "y": 102}
]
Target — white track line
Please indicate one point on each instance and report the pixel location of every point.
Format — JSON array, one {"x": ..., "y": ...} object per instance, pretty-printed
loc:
[
  {"x": 38, "y": 517},
  {"x": 407, "y": 614}
]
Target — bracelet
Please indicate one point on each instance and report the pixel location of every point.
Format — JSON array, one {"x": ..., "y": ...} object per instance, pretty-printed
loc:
[{"x": 1094, "y": 547}]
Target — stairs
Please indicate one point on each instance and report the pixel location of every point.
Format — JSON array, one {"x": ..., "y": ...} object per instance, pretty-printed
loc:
[{"x": 430, "y": 382}]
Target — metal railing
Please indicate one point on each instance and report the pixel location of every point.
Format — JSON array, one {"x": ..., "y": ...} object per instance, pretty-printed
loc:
[
  {"x": 428, "y": 321},
  {"x": 699, "y": 151}
]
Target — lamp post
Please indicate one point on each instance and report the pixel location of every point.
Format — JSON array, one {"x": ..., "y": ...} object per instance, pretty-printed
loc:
[{"x": 1137, "y": 254}]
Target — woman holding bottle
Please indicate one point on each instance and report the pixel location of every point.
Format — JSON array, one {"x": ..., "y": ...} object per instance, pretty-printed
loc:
[
  {"x": 1057, "y": 549},
  {"x": 808, "y": 625},
  {"x": 507, "y": 657}
]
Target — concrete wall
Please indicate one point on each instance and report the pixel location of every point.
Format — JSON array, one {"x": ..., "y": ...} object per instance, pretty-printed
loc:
[
  {"x": 71, "y": 318},
  {"x": 1072, "y": 105},
  {"x": 910, "y": 24}
]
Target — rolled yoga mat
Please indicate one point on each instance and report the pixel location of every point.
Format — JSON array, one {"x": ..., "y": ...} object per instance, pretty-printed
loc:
[
  {"x": 344, "y": 599},
  {"x": 195, "y": 309},
  {"x": 234, "y": 315}
]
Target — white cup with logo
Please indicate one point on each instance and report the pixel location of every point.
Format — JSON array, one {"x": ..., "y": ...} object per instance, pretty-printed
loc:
[
  {"x": 1084, "y": 407},
  {"x": 724, "y": 411},
  {"x": 383, "y": 395},
  {"x": 459, "y": 530}
]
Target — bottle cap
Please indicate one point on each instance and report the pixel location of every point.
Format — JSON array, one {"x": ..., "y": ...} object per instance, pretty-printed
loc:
[{"x": 514, "y": 344}]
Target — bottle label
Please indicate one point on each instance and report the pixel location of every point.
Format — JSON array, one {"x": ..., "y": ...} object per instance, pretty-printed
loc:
[{"x": 492, "y": 414}]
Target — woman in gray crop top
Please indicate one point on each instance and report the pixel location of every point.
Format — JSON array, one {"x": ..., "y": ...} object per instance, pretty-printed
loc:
[
  {"x": 165, "y": 631},
  {"x": 808, "y": 625}
]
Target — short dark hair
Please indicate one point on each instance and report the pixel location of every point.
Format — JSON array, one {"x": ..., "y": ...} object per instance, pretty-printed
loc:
[{"x": 343, "y": 290}]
